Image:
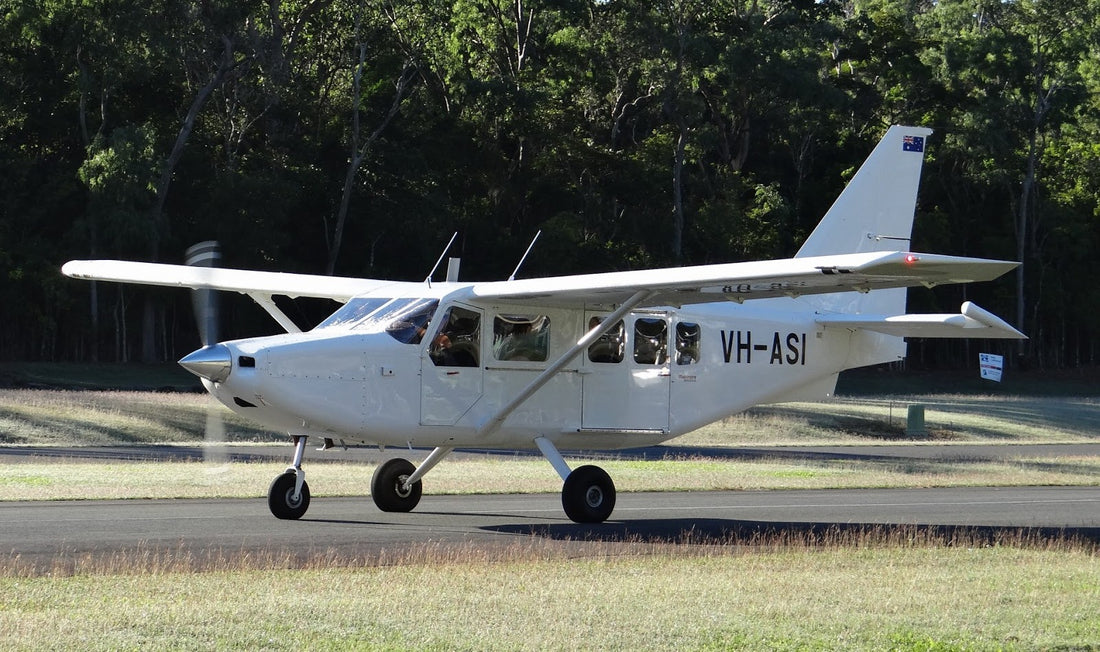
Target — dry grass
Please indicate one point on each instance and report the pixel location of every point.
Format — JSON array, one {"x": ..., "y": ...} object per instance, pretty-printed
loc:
[
  {"x": 53, "y": 480},
  {"x": 66, "y": 418},
  {"x": 875, "y": 587},
  {"x": 878, "y": 588},
  {"x": 948, "y": 419}
]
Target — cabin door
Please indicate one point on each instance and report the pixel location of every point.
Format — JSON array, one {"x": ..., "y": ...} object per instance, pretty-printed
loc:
[
  {"x": 625, "y": 375},
  {"x": 451, "y": 373}
]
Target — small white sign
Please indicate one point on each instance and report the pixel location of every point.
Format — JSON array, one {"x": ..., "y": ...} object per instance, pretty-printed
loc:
[{"x": 991, "y": 366}]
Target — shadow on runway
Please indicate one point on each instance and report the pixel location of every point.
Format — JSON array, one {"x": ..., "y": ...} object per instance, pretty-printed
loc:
[{"x": 727, "y": 532}]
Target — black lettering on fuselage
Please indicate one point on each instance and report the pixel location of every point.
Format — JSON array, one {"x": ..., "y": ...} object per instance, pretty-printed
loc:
[
  {"x": 785, "y": 349},
  {"x": 743, "y": 345}
]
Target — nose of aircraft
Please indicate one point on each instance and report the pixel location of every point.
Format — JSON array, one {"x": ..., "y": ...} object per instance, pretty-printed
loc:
[{"x": 210, "y": 362}]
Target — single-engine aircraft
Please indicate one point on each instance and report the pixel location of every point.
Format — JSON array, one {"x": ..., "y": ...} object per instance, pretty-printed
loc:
[{"x": 595, "y": 361}]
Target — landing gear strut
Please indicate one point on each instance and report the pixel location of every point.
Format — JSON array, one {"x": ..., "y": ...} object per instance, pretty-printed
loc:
[{"x": 588, "y": 494}]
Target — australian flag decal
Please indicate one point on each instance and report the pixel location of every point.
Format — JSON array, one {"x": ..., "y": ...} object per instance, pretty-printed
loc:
[{"x": 912, "y": 144}]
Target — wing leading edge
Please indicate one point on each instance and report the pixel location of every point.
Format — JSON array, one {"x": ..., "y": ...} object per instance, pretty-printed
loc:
[
  {"x": 741, "y": 282},
  {"x": 234, "y": 280}
]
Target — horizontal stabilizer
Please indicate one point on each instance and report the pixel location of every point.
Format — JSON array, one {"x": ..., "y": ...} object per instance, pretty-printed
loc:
[{"x": 972, "y": 321}]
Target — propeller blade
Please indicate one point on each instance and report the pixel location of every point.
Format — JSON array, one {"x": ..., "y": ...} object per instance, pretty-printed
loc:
[
  {"x": 214, "y": 452},
  {"x": 206, "y": 254},
  {"x": 207, "y": 362}
]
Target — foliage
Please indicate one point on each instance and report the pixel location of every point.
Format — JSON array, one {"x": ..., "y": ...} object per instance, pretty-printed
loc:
[{"x": 355, "y": 136}]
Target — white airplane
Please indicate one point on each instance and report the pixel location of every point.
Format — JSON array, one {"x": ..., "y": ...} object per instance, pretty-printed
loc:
[{"x": 595, "y": 361}]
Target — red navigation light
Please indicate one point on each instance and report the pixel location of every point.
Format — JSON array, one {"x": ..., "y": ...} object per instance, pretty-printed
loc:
[{"x": 911, "y": 258}]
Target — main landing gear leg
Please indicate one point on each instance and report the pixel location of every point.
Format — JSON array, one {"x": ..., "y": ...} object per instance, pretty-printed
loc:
[
  {"x": 288, "y": 497},
  {"x": 396, "y": 485},
  {"x": 588, "y": 494}
]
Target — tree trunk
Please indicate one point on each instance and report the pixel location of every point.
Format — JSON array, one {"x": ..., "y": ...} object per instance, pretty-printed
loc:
[
  {"x": 678, "y": 195},
  {"x": 157, "y": 222},
  {"x": 359, "y": 150}
]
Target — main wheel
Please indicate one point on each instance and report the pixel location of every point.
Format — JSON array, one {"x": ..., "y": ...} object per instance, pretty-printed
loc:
[
  {"x": 386, "y": 487},
  {"x": 280, "y": 498},
  {"x": 588, "y": 495}
]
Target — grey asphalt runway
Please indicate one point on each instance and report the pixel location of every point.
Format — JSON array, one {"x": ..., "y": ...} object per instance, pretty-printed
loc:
[
  {"x": 44, "y": 533},
  {"x": 41, "y": 534}
]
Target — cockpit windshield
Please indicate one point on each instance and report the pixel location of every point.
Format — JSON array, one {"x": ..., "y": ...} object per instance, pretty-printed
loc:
[
  {"x": 407, "y": 322},
  {"x": 404, "y": 319},
  {"x": 353, "y": 313}
]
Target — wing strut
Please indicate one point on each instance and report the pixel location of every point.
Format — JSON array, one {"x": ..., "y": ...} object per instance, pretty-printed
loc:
[
  {"x": 267, "y": 303},
  {"x": 494, "y": 422}
]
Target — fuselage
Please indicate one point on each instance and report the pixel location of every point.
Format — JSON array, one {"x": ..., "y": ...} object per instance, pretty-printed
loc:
[{"x": 432, "y": 370}]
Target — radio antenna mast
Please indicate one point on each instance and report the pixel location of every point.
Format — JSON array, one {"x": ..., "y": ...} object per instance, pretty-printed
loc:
[
  {"x": 529, "y": 247},
  {"x": 436, "y": 265}
]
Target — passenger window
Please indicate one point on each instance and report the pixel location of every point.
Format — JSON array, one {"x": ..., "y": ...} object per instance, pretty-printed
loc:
[
  {"x": 650, "y": 341},
  {"x": 687, "y": 343},
  {"x": 456, "y": 342},
  {"x": 609, "y": 346},
  {"x": 521, "y": 337}
]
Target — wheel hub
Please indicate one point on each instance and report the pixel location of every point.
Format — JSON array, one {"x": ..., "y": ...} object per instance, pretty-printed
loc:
[
  {"x": 400, "y": 488},
  {"x": 594, "y": 496},
  {"x": 290, "y": 500}
]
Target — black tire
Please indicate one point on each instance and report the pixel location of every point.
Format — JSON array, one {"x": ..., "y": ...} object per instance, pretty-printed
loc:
[
  {"x": 280, "y": 498},
  {"x": 385, "y": 486},
  {"x": 588, "y": 495}
]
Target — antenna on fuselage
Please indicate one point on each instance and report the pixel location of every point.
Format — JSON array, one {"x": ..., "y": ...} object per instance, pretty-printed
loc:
[
  {"x": 529, "y": 248},
  {"x": 436, "y": 265}
]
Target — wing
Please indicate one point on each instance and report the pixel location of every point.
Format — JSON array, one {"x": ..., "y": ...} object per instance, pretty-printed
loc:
[
  {"x": 741, "y": 282},
  {"x": 262, "y": 284}
]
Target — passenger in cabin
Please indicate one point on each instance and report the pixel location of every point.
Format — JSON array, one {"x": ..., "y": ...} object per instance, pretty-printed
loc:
[
  {"x": 455, "y": 343},
  {"x": 608, "y": 348},
  {"x": 687, "y": 343}
]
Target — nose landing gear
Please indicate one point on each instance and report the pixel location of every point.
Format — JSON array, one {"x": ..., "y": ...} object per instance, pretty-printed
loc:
[{"x": 288, "y": 496}]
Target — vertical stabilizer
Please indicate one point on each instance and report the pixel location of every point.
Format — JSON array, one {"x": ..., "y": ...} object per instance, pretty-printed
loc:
[{"x": 874, "y": 213}]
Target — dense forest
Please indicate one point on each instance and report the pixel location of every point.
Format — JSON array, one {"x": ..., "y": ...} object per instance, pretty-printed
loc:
[{"x": 353, "y": 137}]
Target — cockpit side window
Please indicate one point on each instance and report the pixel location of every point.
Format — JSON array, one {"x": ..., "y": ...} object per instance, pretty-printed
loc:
[{"x": 457, "y": 341}]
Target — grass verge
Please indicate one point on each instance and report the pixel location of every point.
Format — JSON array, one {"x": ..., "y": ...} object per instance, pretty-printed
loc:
[
  {"x": 876, "y": 590},
  {"x": 52, "y": 480}
]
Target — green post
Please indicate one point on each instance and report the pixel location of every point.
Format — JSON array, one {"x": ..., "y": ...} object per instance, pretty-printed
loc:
[{"x": 914, "y": 424}]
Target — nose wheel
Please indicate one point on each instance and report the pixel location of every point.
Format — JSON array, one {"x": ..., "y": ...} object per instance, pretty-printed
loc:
[
  {"x": 285, "y": 500},
  {"x": 288, "y": 496}
]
